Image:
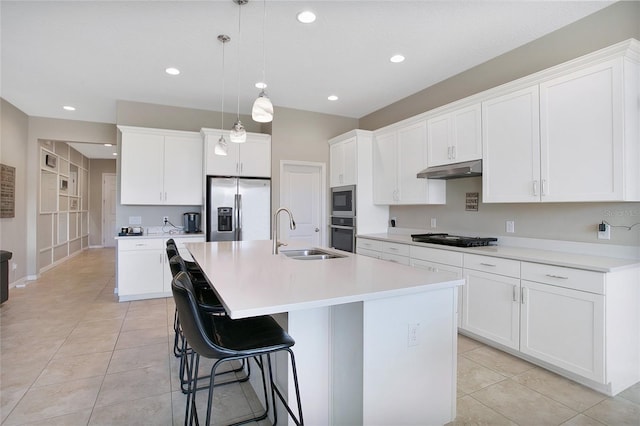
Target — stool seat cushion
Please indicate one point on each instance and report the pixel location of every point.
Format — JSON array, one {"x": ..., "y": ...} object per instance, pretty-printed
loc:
[{"x": 250, "y": 334}]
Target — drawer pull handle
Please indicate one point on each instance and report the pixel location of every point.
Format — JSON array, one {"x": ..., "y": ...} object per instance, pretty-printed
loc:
[
  {"x": 557, "y": 276},
  {"x": 487, "y": 264}
]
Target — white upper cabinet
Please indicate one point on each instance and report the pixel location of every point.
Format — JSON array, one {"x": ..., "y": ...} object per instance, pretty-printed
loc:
[
  {"x": 160, "y": 166},
  {"x": 455, "y": 136},
  {"x": 582, "y": 135},
  {"x": 399, "y": 153},
  {"x": 251, "y": 158},
  {"x": 572, "y": 135},
  {"x": 343, "y": 162},
  {"x": 511, "y": 147}
]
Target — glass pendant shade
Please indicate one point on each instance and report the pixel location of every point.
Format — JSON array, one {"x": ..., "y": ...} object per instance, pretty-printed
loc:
[
  {"x": 238, "y": 133},
  {"x": 221, "y": 147},
  {"x": 262, "y": 111}
]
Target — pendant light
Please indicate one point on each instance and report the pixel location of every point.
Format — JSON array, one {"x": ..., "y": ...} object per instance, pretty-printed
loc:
[
  {"x": 262, "y": 110},
  {"x": 238, "y": 133},
  {"x": 221, "y": 147}
]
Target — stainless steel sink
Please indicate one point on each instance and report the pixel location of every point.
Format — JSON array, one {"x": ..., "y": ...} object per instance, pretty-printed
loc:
[{"x": 310, "y": 254}]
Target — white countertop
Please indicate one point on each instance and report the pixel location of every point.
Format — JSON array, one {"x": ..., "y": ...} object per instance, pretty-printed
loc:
[
  {"x": 250, "y": 281},
  {"x": 161, "y": 235},
  {"x": 570, "y": 260}
]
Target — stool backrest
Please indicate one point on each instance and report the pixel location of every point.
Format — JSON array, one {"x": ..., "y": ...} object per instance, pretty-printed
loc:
[
  {"x": 172, "y": 250},
  {"x": 198, "y": 328},
  {"x": 171, "y": 242},
  {"x": 176, "y": 264}
]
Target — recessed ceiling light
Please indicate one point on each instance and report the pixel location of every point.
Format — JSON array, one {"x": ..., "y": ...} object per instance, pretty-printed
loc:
[
  {"x": 397, "y": 59},
  {"x": 306, "y": 17},
  {"x": 172, "y": 71},
  {"x": 108, "y": 144},
  {"x": 69, "y": 108},
  {"x": 261, "y": 85},
  {"x": 332, "y": 98}
]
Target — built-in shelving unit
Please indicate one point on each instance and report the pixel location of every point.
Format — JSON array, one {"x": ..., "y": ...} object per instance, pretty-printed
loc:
[{"x": 63, "y": 219}]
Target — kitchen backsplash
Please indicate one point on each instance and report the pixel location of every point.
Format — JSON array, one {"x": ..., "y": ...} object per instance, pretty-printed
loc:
[{"x": 556, "y": 221}]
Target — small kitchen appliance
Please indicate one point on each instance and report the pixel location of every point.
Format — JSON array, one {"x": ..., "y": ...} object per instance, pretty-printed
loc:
[
  {"x": 453, "y": 240},
  {"x": 191, "y": 222}
]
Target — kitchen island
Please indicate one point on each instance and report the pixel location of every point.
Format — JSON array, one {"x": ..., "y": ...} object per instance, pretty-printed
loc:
[{"x": 375, "y": 341}]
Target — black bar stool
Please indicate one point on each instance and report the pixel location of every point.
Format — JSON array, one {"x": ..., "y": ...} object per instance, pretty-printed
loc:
[{"x": 224, "y": 339}]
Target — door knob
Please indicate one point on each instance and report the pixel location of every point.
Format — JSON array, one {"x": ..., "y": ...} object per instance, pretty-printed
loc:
[{"x": 317, "y": 230}]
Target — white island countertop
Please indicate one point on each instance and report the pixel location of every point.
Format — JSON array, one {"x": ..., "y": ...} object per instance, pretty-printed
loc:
[{"x": 251, "y": 281}]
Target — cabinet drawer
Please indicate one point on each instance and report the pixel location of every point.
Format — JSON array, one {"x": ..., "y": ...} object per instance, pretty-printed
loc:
[
  {"x": 141, "y": 244},
  {"x": 439, "y": 256},
  {"x": 368, "y": 244},
  {"x": 396, "y": 249},
  {"x": 371, "y": 253},
  {"x": 403, "y": 260},
  {"x": 436, "y": 267},
  {"x": 577, "y": 279},
  {"x": 494, "y": 265}
]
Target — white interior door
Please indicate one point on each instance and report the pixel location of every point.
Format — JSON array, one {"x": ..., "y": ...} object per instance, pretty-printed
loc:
[
  {"x": 303, "y": 191},
  {"x": 109, "y": 227}
]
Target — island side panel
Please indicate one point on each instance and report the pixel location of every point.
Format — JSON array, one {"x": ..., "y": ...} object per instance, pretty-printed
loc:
[
  {"x": 310, "y": 329},
  {"x": 409, "y": 352}
]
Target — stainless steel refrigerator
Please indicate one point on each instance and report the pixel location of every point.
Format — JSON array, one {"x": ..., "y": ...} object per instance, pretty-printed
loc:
[{"x": 238, "y": 209}]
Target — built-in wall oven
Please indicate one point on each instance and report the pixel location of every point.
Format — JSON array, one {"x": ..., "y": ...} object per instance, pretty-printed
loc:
[
  {"x": 343, "y": 218},
  {"x": 343, "y": 233}
]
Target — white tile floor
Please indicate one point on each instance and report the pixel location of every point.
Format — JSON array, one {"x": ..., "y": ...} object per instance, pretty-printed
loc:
[{"x": 70, "y": 354}]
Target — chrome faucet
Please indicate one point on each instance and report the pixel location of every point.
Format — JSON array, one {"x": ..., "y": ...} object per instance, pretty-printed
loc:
[{"x": 292, "y": 226}]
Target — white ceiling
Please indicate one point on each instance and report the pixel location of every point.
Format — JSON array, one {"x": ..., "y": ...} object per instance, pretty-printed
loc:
[{"x": 90, "y": 54}]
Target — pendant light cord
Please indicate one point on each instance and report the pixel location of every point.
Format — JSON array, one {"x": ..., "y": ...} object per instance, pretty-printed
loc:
[
  {"x": 264, "y": 43},
  {"x": 238, "y": 75},
  {"x": 222, "y": 103}
]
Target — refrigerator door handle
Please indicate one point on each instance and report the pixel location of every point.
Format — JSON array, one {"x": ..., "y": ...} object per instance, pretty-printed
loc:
[{"x": 239, "y": 217}]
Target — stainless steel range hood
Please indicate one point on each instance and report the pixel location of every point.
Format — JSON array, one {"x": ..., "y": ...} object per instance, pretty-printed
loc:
[{"x": 453, "y": 171}]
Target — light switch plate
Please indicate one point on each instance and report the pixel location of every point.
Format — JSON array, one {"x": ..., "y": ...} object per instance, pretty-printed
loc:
[{"x": 510, "y": 226}]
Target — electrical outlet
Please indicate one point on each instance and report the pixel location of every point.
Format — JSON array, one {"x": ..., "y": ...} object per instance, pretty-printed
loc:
[
  {"x": 412, "y": 336},
  {"x": 606, "y": 234},
  {"x": 165, "y": 219},
  {"x": 510, "y": 226},
  {"x": 14, "y": 266},
  {"x": 433, "y": 222}
]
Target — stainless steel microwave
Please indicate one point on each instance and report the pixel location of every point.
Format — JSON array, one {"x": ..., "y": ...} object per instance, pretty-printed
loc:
[{"x": 343, "y": 201}]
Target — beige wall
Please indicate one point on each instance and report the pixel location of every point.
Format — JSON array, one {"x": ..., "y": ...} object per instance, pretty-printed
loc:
[
  {"x": 13, "y": 152},
  {"x": 302, "y": 136},
  {"x": 59, "y": 130},
  {"x": 567, "y": 221},
  {"x": 96, "y": 168},
  {"x": 604, "y": 28}
]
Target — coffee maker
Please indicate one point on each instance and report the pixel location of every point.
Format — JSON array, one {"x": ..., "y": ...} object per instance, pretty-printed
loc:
[{"x": 191, "y": 222}]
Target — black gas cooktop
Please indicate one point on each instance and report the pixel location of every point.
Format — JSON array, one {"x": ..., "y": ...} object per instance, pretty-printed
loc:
[{"x": 453, "y": 240}]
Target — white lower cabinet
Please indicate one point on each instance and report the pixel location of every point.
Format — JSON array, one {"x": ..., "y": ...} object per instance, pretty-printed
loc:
[
  {"x": 491, "y": 300},
  {"x": 563, "y": 327},
  {"x": 143, "y": 267}
]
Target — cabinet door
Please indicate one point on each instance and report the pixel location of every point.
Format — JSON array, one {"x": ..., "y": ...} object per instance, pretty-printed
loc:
[
  {"x": 183, "y": 170},
  {"x": 467, "y": 134},
  {"x": 141, "y": 168},
  {"x": 491, "y": 307},
  {"x": 140, "y": 272},
  {"x": 385, "y": 164},
  {"x": 336, "y": 164},
  {"x": 222, "y": 165},
  {"x": 581, "y": 122},
  {"x": 350, "y": 162},
  {"x": 412, "y": 150},
  {"x": 511, "y": 148},
  {"x": 439, "y": 140},
  {"x": 564, "y": 327},
  {"x": 255, "y": 157}
]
